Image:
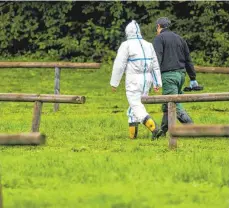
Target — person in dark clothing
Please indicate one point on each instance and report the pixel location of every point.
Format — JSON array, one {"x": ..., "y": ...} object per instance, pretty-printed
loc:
[{"x": 174, "y": 60}]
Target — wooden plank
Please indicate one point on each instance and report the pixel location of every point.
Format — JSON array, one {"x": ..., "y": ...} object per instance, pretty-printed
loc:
[
  {"x": 200, "y": 131},
  {"x": 203, "y": 97},
  {"x": 36, "y": 116},
  {"x": 222, "y": 70},
  {"x": 49, "y": 65},
  {"x": 22, "y": 139},
  {"x": 48, "y": 98},
  {"x": 57, "y": 86},
  {"x": 7, "y": 64},
  {"x": 172, "y": 115}
]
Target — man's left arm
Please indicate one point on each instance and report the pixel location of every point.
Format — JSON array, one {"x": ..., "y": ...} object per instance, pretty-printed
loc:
[{"x": 189, "y": 66}]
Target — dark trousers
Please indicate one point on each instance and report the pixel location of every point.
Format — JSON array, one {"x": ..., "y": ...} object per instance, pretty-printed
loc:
[{"x": 172, "y": 83}]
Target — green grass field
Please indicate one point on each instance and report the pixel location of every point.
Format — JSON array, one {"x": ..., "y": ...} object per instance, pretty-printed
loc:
[{"x": 88, "y": 160}]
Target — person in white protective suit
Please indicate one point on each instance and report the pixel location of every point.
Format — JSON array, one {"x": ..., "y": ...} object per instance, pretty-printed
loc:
[{"x": 137, "y": 58}]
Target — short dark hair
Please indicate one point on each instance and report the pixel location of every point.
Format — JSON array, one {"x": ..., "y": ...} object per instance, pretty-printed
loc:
[{"x": 164, "y": 22}]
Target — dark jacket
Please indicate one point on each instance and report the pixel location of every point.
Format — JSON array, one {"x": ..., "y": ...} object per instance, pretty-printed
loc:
[{"x": 173, "y": 53}]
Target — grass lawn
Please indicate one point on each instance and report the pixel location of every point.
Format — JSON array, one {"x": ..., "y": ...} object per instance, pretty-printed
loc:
[{"x": 88, "y": 160}]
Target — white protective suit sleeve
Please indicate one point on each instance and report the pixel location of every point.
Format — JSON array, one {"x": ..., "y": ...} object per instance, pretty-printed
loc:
[
  {"x": 119, "y": 64},
  {"x": 156, "y": 73}
]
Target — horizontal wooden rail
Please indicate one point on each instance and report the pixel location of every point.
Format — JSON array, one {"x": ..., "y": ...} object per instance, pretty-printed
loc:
[
  {"x": 200, "y": 131},
  {"x": 223, "y": 70},
  {"x": 47, "y": 98},
  {"x": 8, "y": 64},
  {"x": 204, "y": 97},
  {"x": 22, "y": 139},
  {"x": 49, "y": 65}
]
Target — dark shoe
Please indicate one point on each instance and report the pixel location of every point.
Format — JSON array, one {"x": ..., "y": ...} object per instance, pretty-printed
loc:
[
  {"x": 156, "y": 133},
  {"x": 163, "y": 134}
]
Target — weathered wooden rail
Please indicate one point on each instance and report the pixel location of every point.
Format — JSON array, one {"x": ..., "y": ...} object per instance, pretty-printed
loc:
[
  {"x": 189, "y": 130},
  {"x": 35, "y": 138},
  {"x": 7, "y": 64},
  {"x": 204, "y": 97},
  {"x": 222, "y": 70},
  {"x": 47, "y": 98},
  {"x": 56, "y": 65},
  {"x": 200, "y": 130},
  {"x": 38, "y": 100},
  {"x": 49, "y": 65}
]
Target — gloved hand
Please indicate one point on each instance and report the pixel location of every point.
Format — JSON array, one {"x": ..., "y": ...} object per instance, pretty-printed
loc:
[
  {"x": 193, "y": 83},
  {"x": 156, "y": 89}
]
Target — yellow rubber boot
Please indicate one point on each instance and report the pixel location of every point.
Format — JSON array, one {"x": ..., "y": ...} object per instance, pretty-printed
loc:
[
  {"x": 152, "y": 126},
  {"x": 133, "y": 130},
  {"x": 149, "y": 123}
]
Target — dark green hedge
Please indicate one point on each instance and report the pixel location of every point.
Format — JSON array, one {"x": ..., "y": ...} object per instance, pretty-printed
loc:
[{"x": 93, "y": 31}]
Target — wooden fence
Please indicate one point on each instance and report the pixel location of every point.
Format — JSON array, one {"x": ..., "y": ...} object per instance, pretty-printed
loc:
[
  {"x": 56, "y": 65},
  {"x": 38, "y": 100},
  {"x": 33, "y": 138},
  {"x": 189, "y": 130}
]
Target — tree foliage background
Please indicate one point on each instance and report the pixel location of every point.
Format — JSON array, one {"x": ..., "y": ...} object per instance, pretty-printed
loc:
[{"x": 93, "y": 31}]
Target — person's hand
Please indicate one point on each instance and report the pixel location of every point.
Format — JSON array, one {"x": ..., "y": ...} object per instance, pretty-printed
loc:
[
  {"x": 114, "y": 89},
  {"x": 156, "y": 89},
  {"x": 193, "y": 83}
]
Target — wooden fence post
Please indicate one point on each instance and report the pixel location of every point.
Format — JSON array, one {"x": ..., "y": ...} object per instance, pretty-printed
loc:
[
  {"x": 172, "y": 115},
  {"x": 36, "y": 116},
  {"x": 57, "y": 86}
]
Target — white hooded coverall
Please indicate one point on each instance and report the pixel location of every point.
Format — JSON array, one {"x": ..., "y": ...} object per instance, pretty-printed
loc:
[{"x": 137, "y": 58}]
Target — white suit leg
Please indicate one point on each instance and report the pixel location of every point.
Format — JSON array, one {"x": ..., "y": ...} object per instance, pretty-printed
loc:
[
  {"x": 137, "y": 109},
  {"x": 131, "y": 117}
]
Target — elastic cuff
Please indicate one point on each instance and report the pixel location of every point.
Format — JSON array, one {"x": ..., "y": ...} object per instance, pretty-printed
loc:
[
  {"x": 134, "y": 124},
  {"x": 146, "y": 119}
]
